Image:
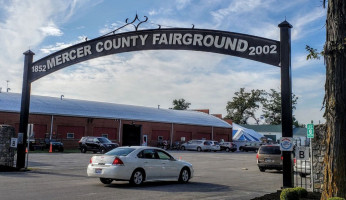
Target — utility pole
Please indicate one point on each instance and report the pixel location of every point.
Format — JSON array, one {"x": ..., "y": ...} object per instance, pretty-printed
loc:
[
  {"x": 7, "y": 88},
  {"x": 286, "y": 100}
]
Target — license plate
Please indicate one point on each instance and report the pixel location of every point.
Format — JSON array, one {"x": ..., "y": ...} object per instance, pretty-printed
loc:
[
  {"x": 98, "y": 171},
  {"x": 267, "y": 160}
]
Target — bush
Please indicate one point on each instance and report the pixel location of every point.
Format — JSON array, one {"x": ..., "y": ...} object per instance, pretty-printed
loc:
[
  {"x": 289, "y": 194},
  {"x": 293, "y": 193},
  {"x": 336, "y": 198},
  {"x": 302, "y": 193}
]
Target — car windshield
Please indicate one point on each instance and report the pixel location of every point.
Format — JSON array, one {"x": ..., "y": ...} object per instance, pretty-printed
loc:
[
  {"x": 104, "y": 140},
  {"x": 270, "y": 150},
  {"x": 120, "y": 151}
]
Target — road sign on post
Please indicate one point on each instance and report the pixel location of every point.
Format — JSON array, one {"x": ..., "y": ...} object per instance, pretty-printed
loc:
[{"x": 310, "y": 130}]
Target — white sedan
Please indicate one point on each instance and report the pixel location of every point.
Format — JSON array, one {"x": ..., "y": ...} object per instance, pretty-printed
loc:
[{"x": 138, "y": 164}]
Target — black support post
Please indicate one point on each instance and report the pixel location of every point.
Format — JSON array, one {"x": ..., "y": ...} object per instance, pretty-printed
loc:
[
  {"x": 286, "y": 99},
  {"x": 24, "y": 110}
]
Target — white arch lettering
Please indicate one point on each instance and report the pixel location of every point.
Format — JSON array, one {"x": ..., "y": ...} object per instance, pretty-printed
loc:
[{"x": 228, "y": 43}]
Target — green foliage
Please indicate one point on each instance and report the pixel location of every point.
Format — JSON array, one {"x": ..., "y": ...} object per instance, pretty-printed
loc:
[
  {"x": 243, "y": 105},
  {"x": 293, "y": 193},
  {"x": 289, "y": 194},
  {"x": 301, "y": 192},
  {"x": 313, "y": 54},
  {"x": 180, "y": 104},
  {"x": 272, "y": 107},
  {"x": 336, "y": 198}
]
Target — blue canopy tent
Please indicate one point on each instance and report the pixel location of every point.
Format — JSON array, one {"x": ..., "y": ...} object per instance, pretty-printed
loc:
[{"x": 243, "y": 134}]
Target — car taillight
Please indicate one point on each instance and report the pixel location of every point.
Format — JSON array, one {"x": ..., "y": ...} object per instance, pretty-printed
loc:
[
  {"x": 91, "y": 160},
  {"x": 117, "y": 161},
  {"x": 282, "y": 158},
  {"x": 294, "y": 160},
  {"x": 257, "y": 156}
]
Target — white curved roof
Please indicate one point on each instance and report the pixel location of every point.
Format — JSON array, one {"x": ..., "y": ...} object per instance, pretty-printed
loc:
[{"x": 10, "y": 102}]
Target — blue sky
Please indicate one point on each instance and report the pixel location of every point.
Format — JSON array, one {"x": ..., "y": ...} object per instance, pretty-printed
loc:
[{"x": 151, "y": 78}]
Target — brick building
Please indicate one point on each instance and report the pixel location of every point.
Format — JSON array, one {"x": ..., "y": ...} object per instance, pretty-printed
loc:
[{"x": 69, "y": 120}]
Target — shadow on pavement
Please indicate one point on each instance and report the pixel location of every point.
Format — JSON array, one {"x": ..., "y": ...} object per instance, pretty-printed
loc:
[{"x": 178, "y": 187}]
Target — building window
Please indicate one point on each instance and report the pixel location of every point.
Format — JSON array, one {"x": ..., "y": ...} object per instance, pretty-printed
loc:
[
  {"x": 105, "y": 135},
  {"x": 70, "y": 136}
]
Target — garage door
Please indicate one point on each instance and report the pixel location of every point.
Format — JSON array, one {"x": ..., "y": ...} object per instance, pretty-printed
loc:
[
  {"x": 40, "y": 130},
  {"x": 200, "y": 135},
  {"x": 182, "y": 134},
  {"x": 110, "y": 133},
  {"x": 219, "y": 137},
  {"x": 70, "y": 132},
  {"x": 160, "y": 133}
]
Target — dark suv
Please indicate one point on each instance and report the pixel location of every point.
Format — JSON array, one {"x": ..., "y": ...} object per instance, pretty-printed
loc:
[
  {"x": 96, "y": 144},
  {"x": 250, "y": 147}
]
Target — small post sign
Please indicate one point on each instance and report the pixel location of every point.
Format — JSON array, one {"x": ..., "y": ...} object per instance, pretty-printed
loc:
[
  {"x": 310, "y": 130},
  {"x": 286, "y": 144},
  {"x": 302, "y": 153}
]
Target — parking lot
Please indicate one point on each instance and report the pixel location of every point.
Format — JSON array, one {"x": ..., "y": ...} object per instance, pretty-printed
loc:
[{"x": 218, "y": 175}]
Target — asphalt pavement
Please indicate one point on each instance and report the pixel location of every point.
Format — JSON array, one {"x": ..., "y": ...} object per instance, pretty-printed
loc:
[{"x": 218, "y": 175}]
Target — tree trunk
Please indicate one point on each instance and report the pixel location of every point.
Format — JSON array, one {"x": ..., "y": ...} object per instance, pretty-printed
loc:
[{"x": 335, "y": 101}]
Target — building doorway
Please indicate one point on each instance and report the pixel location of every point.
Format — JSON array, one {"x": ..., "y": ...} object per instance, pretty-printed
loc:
[{"x": 131, "y": 135}]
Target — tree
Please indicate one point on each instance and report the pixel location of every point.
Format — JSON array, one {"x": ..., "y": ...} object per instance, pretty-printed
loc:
[
  {"x": 272, "y": 107},
  {"x": 335, "y": 100},
  {"x": 180, "y": 104},
  {"x": 244, "y": 105}
]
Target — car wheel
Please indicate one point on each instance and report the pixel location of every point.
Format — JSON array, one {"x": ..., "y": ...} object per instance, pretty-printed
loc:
[
  {"x": 137, "y": 177},
  {"x": 262, "y": 169},
  {"x": 83, "y": 150},
  {"x": 199, "y": 149},
  {"x": 182, "y": 148},
  {"x": 184, "y": 176},
  {"x": 106, "y": 180},
  {"x": 103, "y": 151},
  {"x": 227, "y": 149}
]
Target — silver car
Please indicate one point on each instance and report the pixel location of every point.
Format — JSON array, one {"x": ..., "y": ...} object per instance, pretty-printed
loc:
[
  {"x": 138, "y": 164},
  {"x": 215, "y": 146},
  {"x": 302, "y": 167},
  {"x": 197, "y": 145}
]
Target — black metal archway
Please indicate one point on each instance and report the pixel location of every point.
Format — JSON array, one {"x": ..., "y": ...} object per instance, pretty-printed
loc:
[{"x": 276, "y": 53}]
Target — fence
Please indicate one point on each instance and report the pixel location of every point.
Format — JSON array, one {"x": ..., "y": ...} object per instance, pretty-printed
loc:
[{"x": 302, "y": 164}]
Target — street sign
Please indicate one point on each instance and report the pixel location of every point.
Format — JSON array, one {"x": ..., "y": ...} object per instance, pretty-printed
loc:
[
  {"x": 14, "y": 142},
  {"x": 286, "y": 144},
  {"x": 310, "y": 130},
  {"x": 302, "y": 153}
]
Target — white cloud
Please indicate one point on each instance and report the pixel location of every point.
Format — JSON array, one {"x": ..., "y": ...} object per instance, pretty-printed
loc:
[
  {"x": 24, "y": 25},
  {"x": 300, "y": 61},
  {"x": 61, "y": 45},
  {"x": 181, "y": 4},
  {"x": 150, "y": 78},
  {"x": 51, "y": 30},
  {"x": 302, "y": 23}
]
